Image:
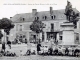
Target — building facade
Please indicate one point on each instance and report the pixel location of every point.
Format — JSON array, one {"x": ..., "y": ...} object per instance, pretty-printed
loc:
[{"x": 52, "y": 20}]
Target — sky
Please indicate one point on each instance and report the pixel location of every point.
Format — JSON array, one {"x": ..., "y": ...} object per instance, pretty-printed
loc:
[{"x": 8, "y": 8}]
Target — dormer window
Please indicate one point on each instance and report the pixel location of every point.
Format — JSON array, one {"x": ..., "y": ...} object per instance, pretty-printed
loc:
[
  {"x": 23, "y": 19},
  {"x": 45, "y": 17},
  {"x": 53, "y": 17},
  {"x": 36, "y": 18}
]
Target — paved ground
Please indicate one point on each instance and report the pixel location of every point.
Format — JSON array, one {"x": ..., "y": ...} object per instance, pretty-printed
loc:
[{"x": 37, "y": 57}]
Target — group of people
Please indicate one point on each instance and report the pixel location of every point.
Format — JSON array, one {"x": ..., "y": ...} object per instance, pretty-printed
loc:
[
  {"x": 52, "y": 41},
  {"x": 75, "y": 52}
]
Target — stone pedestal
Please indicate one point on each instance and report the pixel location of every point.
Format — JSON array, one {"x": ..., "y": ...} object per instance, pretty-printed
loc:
[
  {"x": 68, "y": 37},
  {"x": 78, "y": 29},
  {"x": 67, "y": 34}
]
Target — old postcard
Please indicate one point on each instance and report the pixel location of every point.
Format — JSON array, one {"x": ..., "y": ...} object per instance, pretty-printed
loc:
[{"x": 39, "y": 30}]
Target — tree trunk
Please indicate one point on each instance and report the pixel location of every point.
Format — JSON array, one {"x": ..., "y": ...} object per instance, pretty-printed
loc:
[
  {"x": 7, "y": 38},
  {"x": 4, "y": 36},
  {"x": 3, "y": 39},
  {"x": 37, "y": 38},
  {"x": 40, "y": 37}
]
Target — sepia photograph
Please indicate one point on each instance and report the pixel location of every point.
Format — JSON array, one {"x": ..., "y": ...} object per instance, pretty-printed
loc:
[{"x": 39, "y": 30}]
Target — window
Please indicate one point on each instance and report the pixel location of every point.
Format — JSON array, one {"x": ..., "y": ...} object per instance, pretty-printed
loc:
[
  {"x": 60, "y": 37},
  {"x": 52, "y": 27},
  {"x": 77, "y": 36},
  {"x": 75, "y": 24},
  {"x": 24, "y": 36},
  {"x": 23, "y": 19},
  {"x": 36, "y": 18},
  {"x": 53, "y": 17},
  {"x": 20, "y": 27},
  {"x": 45, "y": 17}
]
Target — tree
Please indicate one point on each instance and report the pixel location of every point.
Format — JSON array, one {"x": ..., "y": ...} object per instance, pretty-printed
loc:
[
  {"x": 37, "y": 26},
  {"x": 6, "y": 25}
]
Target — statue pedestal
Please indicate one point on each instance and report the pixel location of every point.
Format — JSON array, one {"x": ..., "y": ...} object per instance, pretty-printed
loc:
[{"x": 67, "y": 34}]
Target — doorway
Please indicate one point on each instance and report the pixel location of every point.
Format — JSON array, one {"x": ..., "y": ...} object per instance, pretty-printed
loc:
[{"x": 51, "y": 35}]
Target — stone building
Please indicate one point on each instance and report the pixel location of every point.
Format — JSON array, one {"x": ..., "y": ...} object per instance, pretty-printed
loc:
[{"x": 52, "y": 20}]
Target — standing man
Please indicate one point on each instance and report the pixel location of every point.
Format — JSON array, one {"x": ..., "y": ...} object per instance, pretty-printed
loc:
[
  {"x": 9, "y": 44},
  {"x": 3, "y": 46},
  {"x": 67, "y": 51},
  {"x": 38, "y": 47}
]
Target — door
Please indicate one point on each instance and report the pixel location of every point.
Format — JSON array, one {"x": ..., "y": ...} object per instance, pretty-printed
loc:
[{"x": 51, "y": 35}]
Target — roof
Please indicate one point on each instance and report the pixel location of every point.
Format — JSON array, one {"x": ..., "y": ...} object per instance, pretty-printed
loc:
[{"x": 29, "y": 17}]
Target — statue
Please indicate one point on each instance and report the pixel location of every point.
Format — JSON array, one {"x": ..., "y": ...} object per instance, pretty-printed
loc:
[
  {"x": 70, "y": 14},
  {"x": 74, "y": 19},
  {"x": 68, "y": 10}
]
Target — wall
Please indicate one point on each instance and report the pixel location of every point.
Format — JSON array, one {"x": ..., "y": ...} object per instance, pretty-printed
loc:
[
  {"x": 68, "y": 38},
  {"x": 26, "y": 27}
]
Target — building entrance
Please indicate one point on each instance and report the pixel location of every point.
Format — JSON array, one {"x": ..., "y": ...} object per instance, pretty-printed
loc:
[{"x": 52, "y": 35}]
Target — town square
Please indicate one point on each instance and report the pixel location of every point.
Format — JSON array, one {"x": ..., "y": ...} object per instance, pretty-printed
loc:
[{"x": 41, "y": 35}]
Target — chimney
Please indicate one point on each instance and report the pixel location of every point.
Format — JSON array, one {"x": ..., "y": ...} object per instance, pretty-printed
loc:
[
  {"x": 34, "y": 12},
  {"x": 51, "y": 10}
]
